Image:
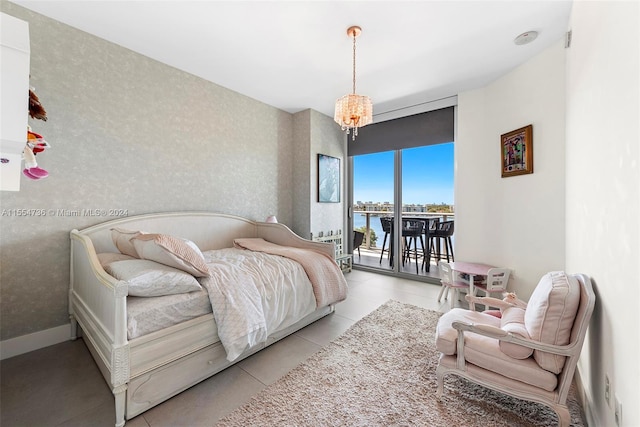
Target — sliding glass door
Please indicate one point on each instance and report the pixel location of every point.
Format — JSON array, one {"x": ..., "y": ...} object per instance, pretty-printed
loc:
[
  {"x": 373, "y": 201},
  {"x": 413, "y": 185}
]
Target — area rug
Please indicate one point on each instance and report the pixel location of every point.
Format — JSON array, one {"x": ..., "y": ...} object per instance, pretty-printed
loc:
[{"x": 382, "y": 372}]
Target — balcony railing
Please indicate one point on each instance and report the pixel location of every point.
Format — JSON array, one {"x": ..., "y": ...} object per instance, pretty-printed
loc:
[{"x": 444, "y": 216}]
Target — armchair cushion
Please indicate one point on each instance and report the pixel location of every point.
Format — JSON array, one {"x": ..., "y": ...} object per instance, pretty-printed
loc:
[
  {"x": 485, "y": 352},
  {"x": 550, "y": 314}
]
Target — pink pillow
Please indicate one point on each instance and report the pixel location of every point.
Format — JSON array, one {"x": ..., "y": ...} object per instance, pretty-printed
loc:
[
  {"x": 513, "y": 321},
  {"x": 550, "y": 314},
  {"x": 122, "y": 239},
  {"x": 172, "y": 251}
]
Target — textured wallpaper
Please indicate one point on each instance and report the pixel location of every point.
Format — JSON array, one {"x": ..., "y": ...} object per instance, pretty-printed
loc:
[
  {"x": 129, "y": 135},
  {"x": 329, "y": 140}
]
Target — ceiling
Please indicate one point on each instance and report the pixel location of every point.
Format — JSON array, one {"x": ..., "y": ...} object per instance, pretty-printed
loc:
[{"x": 296, "y": 55}]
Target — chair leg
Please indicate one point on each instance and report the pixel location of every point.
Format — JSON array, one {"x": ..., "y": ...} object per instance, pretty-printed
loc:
[
  {"x": 426, "y": 256},
  {"x": 455, "y": 297},
  {"x": 446, "y": 247},
  {"x": 432, "y": 248},
  {"x": 564, "y": 417},
  {"x": 384, "y": 242},
  {"x": 442, "y": 292},
  {"x": 422, "y": 246},
  {"x": 406, "y": 251}
]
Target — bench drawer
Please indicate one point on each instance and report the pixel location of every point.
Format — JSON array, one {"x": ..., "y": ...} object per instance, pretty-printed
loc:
[{"x": 158, "y": 385}]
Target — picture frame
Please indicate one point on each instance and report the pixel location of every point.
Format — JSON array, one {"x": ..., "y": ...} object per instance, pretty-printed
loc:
[
  {"x": 328, "y": 179},
  {"x": 516, "y": 152}
]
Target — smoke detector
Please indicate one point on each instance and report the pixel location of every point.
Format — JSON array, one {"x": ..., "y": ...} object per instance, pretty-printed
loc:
[{"x": 525, "y": 38}]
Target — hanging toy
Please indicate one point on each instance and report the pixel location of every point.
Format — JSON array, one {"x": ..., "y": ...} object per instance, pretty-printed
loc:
[
  {"x": 31, "y": 169},
  {"x": 36, "y": 110},
  {"x": 36, "y": 141},
  {"x": 35, "y": 144}
]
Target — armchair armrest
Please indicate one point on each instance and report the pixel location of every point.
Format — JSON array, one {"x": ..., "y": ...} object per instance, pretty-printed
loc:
[
  {"x": 499, "y": 334},
  {"x": 488, "y": 301}
]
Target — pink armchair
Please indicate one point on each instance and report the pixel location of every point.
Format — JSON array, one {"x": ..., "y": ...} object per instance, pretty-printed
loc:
[{"x": 531, "y": 353}]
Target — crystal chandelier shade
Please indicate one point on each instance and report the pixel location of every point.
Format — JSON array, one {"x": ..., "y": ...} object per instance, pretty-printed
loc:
[{"x": 353, "y": 111}]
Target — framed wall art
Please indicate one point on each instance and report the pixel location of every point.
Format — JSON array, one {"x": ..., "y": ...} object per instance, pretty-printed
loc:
[
  {"x": 328, "y": 179},
  {"x": 516, "y": 152}
]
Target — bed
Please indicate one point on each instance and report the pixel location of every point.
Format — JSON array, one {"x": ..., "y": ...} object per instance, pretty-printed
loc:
[{"x": 147, "y": 362}]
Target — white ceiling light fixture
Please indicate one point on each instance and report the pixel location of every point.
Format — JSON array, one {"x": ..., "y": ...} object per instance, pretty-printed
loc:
[
  {"x": 525, "y": 38},
  {"x": 353, "y": 111}
]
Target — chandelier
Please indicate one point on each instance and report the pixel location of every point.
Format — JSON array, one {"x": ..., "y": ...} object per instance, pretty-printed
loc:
[{"x": 353, "y": 111}]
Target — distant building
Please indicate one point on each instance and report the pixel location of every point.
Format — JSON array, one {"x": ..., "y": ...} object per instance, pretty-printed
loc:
[{"x": 388, "y": 207}]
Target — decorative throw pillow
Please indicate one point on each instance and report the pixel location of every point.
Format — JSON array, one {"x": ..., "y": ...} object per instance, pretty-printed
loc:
[
  {"x": 172, "y": 251},
  {"x": 122, "y": 239},
  {"x": 150, "y": 279},
  {"x": 107, "y": 258},
  {"x": 550, "y": 314},
  {"x": 512, "y": 320}
]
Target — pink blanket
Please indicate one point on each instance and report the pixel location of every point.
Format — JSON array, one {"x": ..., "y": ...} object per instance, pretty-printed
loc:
[{"x": 329, "y": 285}]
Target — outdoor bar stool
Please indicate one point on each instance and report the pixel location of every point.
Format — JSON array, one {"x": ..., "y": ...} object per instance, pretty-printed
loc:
[
  {"x": 430, "y": 225},
  {"x": 412, "y": 230},
  {"x": 358, "y": 239},
  {"x": 387, "y": 227},
  {"x": 443, "y": 232}
]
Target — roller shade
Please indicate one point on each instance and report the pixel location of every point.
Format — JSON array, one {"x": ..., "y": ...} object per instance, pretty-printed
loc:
[{"x": 431, "y": 127}]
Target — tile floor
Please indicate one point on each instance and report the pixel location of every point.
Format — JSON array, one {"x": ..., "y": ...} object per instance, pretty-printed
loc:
[{"x": 61, "y": 385}]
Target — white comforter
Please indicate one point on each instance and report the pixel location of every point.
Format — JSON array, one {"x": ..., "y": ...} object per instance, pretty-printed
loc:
[{"x": 253, "y": 295}]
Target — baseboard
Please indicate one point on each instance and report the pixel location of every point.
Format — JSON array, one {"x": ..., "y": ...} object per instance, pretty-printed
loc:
[
  {"x": 585, "y": 397},
  {"x": 37, "y": 340}
]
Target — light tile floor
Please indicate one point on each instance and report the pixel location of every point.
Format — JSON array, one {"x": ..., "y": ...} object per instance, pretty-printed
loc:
[{"x": 61, "y": 385}]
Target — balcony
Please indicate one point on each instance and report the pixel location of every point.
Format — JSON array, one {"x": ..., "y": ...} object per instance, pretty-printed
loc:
[{"x": 371, "y": 252}]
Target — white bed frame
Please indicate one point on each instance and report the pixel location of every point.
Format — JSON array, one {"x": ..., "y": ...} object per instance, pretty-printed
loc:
[{"x": 148, "y": 370}]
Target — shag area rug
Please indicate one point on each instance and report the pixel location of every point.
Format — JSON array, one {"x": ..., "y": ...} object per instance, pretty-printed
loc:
[{"x": 382, "y": 372}]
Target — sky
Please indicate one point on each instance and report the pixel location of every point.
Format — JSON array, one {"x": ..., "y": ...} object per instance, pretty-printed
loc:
[{"x": 427, "y": 176}]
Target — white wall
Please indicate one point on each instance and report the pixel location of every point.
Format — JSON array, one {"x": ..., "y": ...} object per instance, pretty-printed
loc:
[
  {"x": 516, "y": 222},
  {"x": 603, "y": 196}
]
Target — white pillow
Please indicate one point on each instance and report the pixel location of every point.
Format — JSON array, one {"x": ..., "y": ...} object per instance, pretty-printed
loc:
[
  {"x": 172, "y": 251},
  {"x": 122, "y": 239},
  {"x": 150, "y": 279}
]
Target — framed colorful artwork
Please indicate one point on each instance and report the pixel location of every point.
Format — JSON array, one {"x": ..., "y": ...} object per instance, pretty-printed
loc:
[
  {"x": 328, "y": 179},
  {"x": 516, "y": 152}
]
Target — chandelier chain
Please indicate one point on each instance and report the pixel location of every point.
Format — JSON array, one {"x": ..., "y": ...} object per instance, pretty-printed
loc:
[{"x": 354, "y": 62}]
